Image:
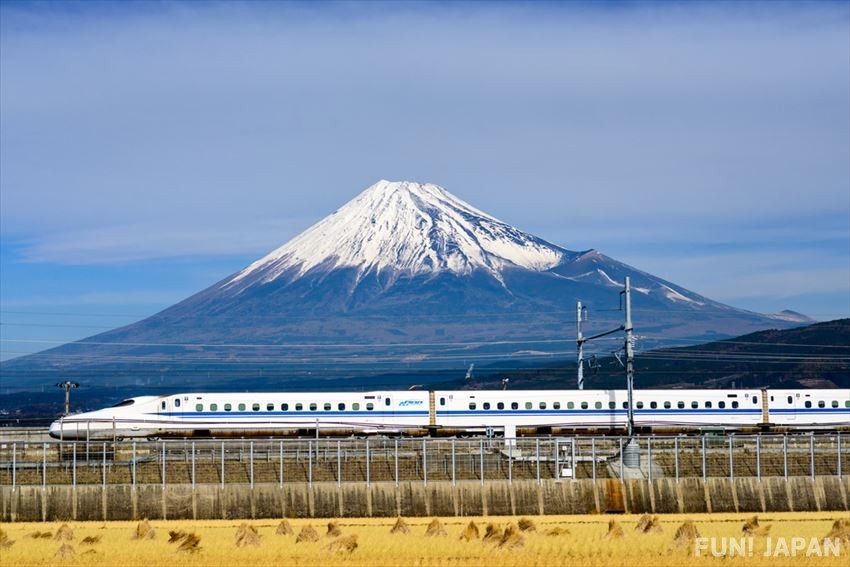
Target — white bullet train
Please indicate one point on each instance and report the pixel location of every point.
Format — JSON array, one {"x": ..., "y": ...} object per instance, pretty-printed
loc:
[{"x": 458, "y": 412}]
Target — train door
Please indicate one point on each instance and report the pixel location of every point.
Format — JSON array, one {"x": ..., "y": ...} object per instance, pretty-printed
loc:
[
  {"x": 792, "y": 406},
  {"x": 163, "y": 406}
]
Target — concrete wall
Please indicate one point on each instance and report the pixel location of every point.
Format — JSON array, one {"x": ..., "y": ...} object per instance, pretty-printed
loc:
[{"x": 123, "y": 502}]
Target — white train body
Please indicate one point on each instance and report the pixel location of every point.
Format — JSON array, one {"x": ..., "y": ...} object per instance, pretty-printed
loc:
[{"x": 455, "y": 412}]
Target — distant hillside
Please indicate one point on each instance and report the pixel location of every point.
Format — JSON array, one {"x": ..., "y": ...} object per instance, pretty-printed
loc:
[{"x": 815, "y": 356}]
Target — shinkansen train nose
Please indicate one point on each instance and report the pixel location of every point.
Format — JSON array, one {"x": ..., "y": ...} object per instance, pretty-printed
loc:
[{"x": 55, "y": 429}]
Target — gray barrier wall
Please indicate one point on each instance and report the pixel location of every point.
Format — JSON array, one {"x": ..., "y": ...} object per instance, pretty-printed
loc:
[{"x": 467, "y": 498}]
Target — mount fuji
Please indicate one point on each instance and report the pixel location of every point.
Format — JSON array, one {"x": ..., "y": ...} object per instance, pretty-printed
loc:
[{"x": 404, "y": 276}]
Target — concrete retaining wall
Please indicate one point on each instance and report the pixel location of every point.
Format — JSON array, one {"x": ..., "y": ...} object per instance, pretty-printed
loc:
[{"x": 123, "y": 502}]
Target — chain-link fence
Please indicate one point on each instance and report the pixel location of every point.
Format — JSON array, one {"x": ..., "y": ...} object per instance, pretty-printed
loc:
[{"x": 379, "y": 459}]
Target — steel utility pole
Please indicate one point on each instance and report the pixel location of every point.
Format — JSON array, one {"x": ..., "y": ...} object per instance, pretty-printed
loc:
[
  {"x": 67, "y": 385},
  {"x": 630, "y": 356},
  {"x": 580, "y": 344}
]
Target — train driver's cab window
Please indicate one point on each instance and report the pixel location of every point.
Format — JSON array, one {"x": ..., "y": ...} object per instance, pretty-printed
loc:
[
  {"x": 213, "y": 407},
  {"x": 370, "y": 406},
  {"x": 177, "y": 402},
  {"x": 227, "y": 407}
]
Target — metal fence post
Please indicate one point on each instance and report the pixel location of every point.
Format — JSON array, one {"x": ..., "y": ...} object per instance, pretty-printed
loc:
[
  {"x": 676, "y": 455},
  {"x": 44, "y": 465},
  {"x": 103, "y": 467},
  {"x": 163, "y": 463},
  {"x": 338, "y": 462},
  {"x": 193, "y": 464},
  {"x": 731, "y": 461},
  {"x": 368, "y": 465},
  {"x": 15, "y": 463},
  {"x": 573, "y": 458},
  {"x": 482, "y": 461},
  {"x": 838, "y": 440},
  {"x": 222, "y": 464},
  {"x": 758, "y": 456},
  {"x": 510, "y": 462},
  {"x": 134, "y": 461},
  {"x": 424, "y": 461},
  {"x": 454, "y": 474},
  {"x": 280, "y": 483},
  {"x": 537, "y": 457},
  {"x": 785, "y": 455},
  {"x": 74, "y": 465},
  {"x": 251, "y": 461},
  {"x": 593, "y": 457},
  {"x": 704, "y": 471},
  {"x": 622, "y": 469},
  {"x": 649, "y": 457},
  {"x": 310, "y": 462},
  {"x": 396, "y": 462},
  {"x": 812, "y": 452}
]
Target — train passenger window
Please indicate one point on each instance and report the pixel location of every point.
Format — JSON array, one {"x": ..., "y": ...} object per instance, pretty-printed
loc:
[
  {"x": 708, "y": 404},
  {"x": 269, "y": 407},
  {"x": 734, "y": 404},
  {"x": 213, "y": 407},
  {"x": 821, "y": 404},
  {"x": 227, "y": 407},
  {"x": 177, "y": 402},
  {"x": 299, "y": 407},
  {"x": 612, "y": 405},
  {"x": 584, "y": 405},
  {"x": 542, "y": 405},
  {"x": 370, "y": 406},
  {"x": 653, "y": 405},
  {"x": 570, "y": 405},
  {"x": 847, "y": 403},
  {"x": 327, "y": 406},
  {"x": 284, "y": 407},
  {"x": 500, "y": 405},
  {"x": 241, "y": 407},
  {"x": 556, "y": 405},
  {"x": 199, "y": 407},
  {"x": 255, "y": 407},
  {"x": 514, "y": 405},
  {"x": 471, "y": 405},
  {"x": 667, "y": 405},
  {"x": 721, "y": 405},
  {"x": 528, "y": 405},
  {"x": 442, "y": 401},
  {"x": 694, "y": 405},
  {"x": 355, "y": 406},
  {"x": 340, "y": 406},
  {"x": 680, "y": 405},
  {"x": 598, "y": 405},
  {"x": 387, "y": 401},
  {"x": 486, "y": 405},
  {"x": 808, "y": 404},
  {"x": 835, "y": 403},
  {"x": 625, "y": 405},
  {"x": 313, "y": 406},
  {"x": 640, "y": 405}
]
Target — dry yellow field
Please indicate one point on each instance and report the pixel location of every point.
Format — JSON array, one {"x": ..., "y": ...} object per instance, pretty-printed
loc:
[{"x": 585, "y": 544}]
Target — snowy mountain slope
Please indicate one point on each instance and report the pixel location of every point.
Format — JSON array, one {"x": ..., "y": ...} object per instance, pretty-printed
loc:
[{"x": 404, "y": 275}]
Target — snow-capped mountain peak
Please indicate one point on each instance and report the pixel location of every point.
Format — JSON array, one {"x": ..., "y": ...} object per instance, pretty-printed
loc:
[{"x": 410, "y": 228}]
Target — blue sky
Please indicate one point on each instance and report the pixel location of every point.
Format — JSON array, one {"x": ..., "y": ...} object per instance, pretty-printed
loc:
[{"x": 147, "y": 150}]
